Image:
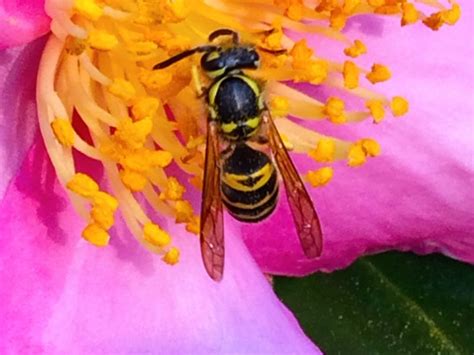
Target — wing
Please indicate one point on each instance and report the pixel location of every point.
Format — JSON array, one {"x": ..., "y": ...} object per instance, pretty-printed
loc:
[
  {"x": 212, "y": 232},
  {"x": 304, "y": 215}
]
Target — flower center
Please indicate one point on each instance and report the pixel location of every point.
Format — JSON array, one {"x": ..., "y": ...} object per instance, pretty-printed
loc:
[{"x": 98, "y": 96}]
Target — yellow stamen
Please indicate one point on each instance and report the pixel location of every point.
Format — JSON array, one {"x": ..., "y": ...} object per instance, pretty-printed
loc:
[
  {"x": 399, "y": 106},
  {"x": 351, "y": 75},
  {"x": 102, "y": 40},
  {"x": 357, "y": 156},
  {"x": 410, "y": 14},
  {"x": 122, "y": 89},
  {"x": 104, "y": 200},
  {"x": 370, "y": 147},
  {"x": 133, "y": 180},
  {"x": 376, "y": 108},
  {"x": 325, "y": 151},
  {"x": 184, "y": 211},
  {"x": 63, "y": 131},
  {"x": 172, "y": 256},
  {"x": 154, "y": 235},
  {"x": 103, "y": 217},
  {"x": 320, "y": 177},
  {"x": 334, "y": 109},
  {"x": 174, "y": 190},
  {"x": 357, "y": 49},
  {"x": 88, "y": 8},
  {"x": 145, "y": 107},
  {"x": 83, "y": 185},
  {"x": 378, "y": 74},
  {"x": 96, "y": 235}
]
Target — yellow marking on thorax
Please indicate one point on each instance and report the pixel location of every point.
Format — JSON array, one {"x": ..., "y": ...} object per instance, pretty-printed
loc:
[{"x": 228, "y": 127}]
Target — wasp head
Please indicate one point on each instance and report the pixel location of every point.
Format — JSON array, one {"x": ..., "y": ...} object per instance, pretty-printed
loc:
[{"x": 223, "y": 60}]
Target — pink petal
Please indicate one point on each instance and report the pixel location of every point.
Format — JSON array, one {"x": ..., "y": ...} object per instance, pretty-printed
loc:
[
  {"x": 61, "y": 295},
  {"x": 22, "y": 21},
  {"x": 418, "y": 195},
  {"x": 18, "y": 121}
]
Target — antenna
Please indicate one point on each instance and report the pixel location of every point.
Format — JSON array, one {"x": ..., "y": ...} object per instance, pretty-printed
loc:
[{"x": 183, "y": 55}]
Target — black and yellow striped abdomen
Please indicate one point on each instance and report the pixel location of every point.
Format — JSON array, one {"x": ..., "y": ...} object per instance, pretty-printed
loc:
[
  {"x": 235, "y": 101},
  {"x": 249, "y": 184}
]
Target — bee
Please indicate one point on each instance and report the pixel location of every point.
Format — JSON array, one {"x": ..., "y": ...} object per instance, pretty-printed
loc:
[{"x": 240, "y": 177}]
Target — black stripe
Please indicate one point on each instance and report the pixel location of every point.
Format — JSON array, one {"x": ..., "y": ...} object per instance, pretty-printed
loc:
[
  {"x": 250, "y": 197},
  {"x": 253, "y": 215}
]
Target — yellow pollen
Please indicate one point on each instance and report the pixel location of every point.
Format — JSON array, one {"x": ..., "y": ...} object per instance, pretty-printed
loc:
[
  {"x": 103, "y": 217},
  {"x": 174, "y": 190},
  {"x": 376, "y": 108},
  {"x": 295, "y": 12},
  {"x": 194, "y": 225},
  {"x": 96, "y": 235},
  {"x": 280, "y": 106},
  {"x": 320, "y": 177},
  {"x": 356, "y": 156},
  {"x": 102, "y": 40},
  {"x": 104, "y": 200},
  {"x": 301, "y": 54},
  {"x": 337, "y": 19},
  {"x": 154, "y": 235},
  {"x": 315, "y": 72},
  {"x": 357, "y": 49},
  {"x": 334, "y": 109},
  {"x": 88, "y": 8},
  {"x": 399, "y": 106},
  {"x": 378, "y": 74},
  {"x": 350, "y": 6},
  {"x": 133, "y": 180},
  {"x": 370, "y": 146},
  {"x": 173, "y": 10},
  {"x": 376, "y": 3},
  {"x": 160, "y": 158},
  {"x": 122, "y": 89},
  {"x": 184, "y": 211},
  {"x": 388, "y": 9},
  {"x": 156, "y": 79},
  {"x": 351, "y": 75},
  {"x": 133, "y": 134},
  {"x": 452, "y": 15},
  {"x": 83, "y": 185},
  {"x": 63, "y": 131},
  {"x": 142, "y": 47},
  {"x": 273, "y": 40},
  {"x": 410, "y": 14},
  {"x": 325, "y": 151},
  {"x": 145, "y": 107},
  {"x": 172, "y": 256}
]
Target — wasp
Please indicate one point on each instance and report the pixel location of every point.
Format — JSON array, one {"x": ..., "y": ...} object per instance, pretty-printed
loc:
[{"x": 240, "y": 177}]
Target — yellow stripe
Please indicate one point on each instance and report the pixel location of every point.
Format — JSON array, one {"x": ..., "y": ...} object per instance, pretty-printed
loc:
[
  {"x": 235, "y": 180},
  {"x": 250, "y": 206},
  {"x": 251, "y": 83},
  {"x": 228, "y": 127},
  {"x": 252, "y": 218},
  {"x": 253, "y": 122}
]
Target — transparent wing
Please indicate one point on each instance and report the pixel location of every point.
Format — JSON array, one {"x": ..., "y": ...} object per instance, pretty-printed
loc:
[
  {"x": 212, "y": 228},
  {"x": 304, "y": 214}
]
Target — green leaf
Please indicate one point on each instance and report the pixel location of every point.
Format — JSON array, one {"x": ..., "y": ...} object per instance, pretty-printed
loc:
[{"x": 392, "y": 303}]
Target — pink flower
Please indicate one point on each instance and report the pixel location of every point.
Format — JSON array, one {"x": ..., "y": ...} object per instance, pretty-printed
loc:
[{"x": 60, "y": 295}]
